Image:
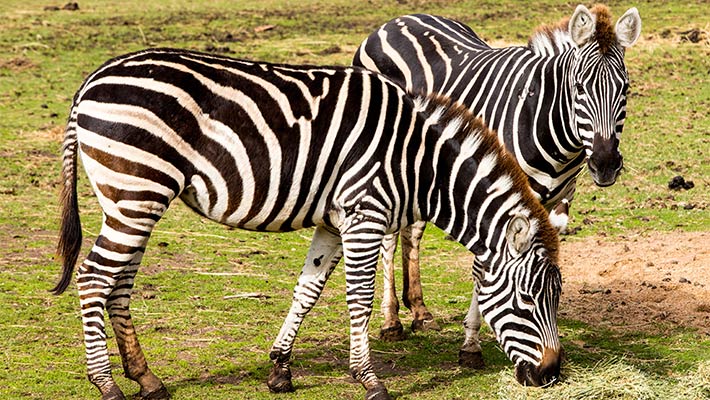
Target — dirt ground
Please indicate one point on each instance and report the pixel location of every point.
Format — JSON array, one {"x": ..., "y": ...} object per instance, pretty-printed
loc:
[{"x": 652, "y": 282}]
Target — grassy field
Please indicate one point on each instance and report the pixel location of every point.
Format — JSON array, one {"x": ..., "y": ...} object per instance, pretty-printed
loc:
[{"x": 206, "y": 344}]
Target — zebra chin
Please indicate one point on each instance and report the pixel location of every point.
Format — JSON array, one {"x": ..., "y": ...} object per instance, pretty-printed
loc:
[{"x": 544, "y": 375}]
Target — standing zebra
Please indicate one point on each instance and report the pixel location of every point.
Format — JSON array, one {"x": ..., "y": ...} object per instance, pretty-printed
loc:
[
  {"x": 272, "y": 148},
  {"x": 557, "y": 103}
]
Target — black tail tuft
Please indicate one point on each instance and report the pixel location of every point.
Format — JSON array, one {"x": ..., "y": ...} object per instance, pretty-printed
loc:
[{"x": 70, "y": 234}]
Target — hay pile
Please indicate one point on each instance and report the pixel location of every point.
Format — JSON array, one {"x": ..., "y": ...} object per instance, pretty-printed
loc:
[{"x": 612, "y": 379}]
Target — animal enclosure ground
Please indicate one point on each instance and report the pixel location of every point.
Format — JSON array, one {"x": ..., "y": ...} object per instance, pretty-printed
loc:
[
  {"x": 208, "y": 302},
  {"x": 653, "y": 282}
]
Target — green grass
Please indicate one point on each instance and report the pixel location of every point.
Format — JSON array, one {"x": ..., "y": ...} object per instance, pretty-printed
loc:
[{"x": 206, "y": 346}]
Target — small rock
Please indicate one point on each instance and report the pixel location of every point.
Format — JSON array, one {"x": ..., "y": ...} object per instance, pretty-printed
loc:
[{"x": 683, "y": 280}]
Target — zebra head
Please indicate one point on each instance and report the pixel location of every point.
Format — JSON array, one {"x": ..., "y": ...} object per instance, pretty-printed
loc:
[
  {"x": 599, "y": 83},
  {"x": 518, "y": 297}
]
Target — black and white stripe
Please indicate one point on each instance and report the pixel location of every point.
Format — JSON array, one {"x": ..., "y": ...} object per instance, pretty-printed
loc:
[
  {"x": 556, "y": 104},
  {"x": 276, "y": 148}
]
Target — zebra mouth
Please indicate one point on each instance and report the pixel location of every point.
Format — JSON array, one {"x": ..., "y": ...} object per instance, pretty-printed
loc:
[
  {"x": 604, "y": 177},
  {"x": 528, "y": 374}
]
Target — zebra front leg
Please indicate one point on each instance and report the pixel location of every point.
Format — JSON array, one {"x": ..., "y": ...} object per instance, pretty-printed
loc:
[
  {"x": 471, "y": 354},
  {"x": 392, "y": 329},
  {"x": 412, "y": 294},
  {"x": 361, "y": 248},
  {"x": 135, "y": 366},
  {"x": 325, "y": 252}
]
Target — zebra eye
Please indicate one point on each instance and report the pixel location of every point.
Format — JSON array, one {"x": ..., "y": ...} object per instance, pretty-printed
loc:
[
  {"x": 527, "y": 299},
  {"x": 580, "y": 88}
]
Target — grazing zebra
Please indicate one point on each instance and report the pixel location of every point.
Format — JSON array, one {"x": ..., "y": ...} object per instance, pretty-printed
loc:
[
  {"x": 278, "y": 148},
  {"x": 556, "y": 103}
]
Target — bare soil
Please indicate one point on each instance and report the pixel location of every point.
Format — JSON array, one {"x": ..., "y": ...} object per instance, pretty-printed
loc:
[{"x": 650, "y": 282}]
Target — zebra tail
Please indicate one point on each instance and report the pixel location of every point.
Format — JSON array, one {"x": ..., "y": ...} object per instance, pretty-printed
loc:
[{"x": 70, "y": 235}]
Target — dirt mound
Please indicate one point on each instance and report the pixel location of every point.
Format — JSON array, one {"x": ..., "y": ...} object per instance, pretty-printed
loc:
[{"x": 651, "y": 282}]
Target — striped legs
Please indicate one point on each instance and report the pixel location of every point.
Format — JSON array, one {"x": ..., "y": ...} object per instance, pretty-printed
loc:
[
  {"x": 105, "y": 282},
  {"x": 470, "y": 354},
  {"x": 361, "y": 245},
  {"x": 135, "y": 366},
  {"x": 325, "y": 252}
]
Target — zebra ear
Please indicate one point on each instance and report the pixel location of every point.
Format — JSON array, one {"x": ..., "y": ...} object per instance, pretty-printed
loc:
[
  {"x": 628, "y": 28},
  {"x": 518, "y": 234},
  {"x": 582, "y": 25}
]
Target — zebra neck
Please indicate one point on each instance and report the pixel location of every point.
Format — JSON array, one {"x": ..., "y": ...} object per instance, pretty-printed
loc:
[
  {"x": 473, "y": 195},
  {"x": 557, "y": 77}
]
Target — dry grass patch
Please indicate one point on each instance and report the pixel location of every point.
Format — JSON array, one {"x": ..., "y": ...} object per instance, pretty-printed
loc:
[{"x": 611, "y": 379}]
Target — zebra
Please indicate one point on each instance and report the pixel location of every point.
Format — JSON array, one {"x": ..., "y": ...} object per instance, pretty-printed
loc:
[
  {"x": 276, "y": 148},
  {"x": 556, "y": 103}
]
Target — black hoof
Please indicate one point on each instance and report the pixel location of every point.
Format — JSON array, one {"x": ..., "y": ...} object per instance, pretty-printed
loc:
[
  {"x": 473, "y": 360},
  {"x": 378, "y": 392},
  {"x": 280, "y": 380},
  {"x": 113, "y": 394},
  {"x": 160, "y": 394},
  {"x": 393, "y": 334},
  {"x": 425, "y": 325}
]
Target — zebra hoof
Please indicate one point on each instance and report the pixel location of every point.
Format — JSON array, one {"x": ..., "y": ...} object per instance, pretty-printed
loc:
[
  {"x": 425, "y": 325},
  {"x": 378, "y": 392},
  {"x": 160, "y": 394},
  {"x": 279, "y": 380},
  {"x": 113, "y": 394},
  {"x": 393, "y": 333},
  {"x": 469, "y": 359}
]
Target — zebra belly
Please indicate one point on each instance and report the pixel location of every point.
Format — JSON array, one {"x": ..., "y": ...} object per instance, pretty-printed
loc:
[{"x": 191, "y": 196}]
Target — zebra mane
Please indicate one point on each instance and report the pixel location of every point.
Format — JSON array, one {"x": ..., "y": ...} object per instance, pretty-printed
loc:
[
  {"x": 451, "y": 114},
  {"x": 558, "y": 39}
]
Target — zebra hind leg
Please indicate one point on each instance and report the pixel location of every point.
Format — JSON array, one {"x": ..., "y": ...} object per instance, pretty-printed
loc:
[
  {"x": 135, "y": 366},
  {"x": 412, "y": 294},
  {"x": 392, "y": 329},
  {"x": 325, "y": 252},
  {"x": 105, "y": 282}
]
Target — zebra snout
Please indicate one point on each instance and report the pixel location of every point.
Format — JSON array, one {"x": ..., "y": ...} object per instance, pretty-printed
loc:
[
  {"x": 544, "y": 375},
  {"x": 605, "y": 169}
]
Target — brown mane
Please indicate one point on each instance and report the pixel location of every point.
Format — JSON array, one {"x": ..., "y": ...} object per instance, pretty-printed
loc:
[
  {"x": 604, "y": 34},
  {"x": 472, "y": 125}
]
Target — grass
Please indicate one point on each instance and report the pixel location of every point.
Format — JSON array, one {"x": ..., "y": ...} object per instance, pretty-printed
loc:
[{"x": 206, "y": 345}]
